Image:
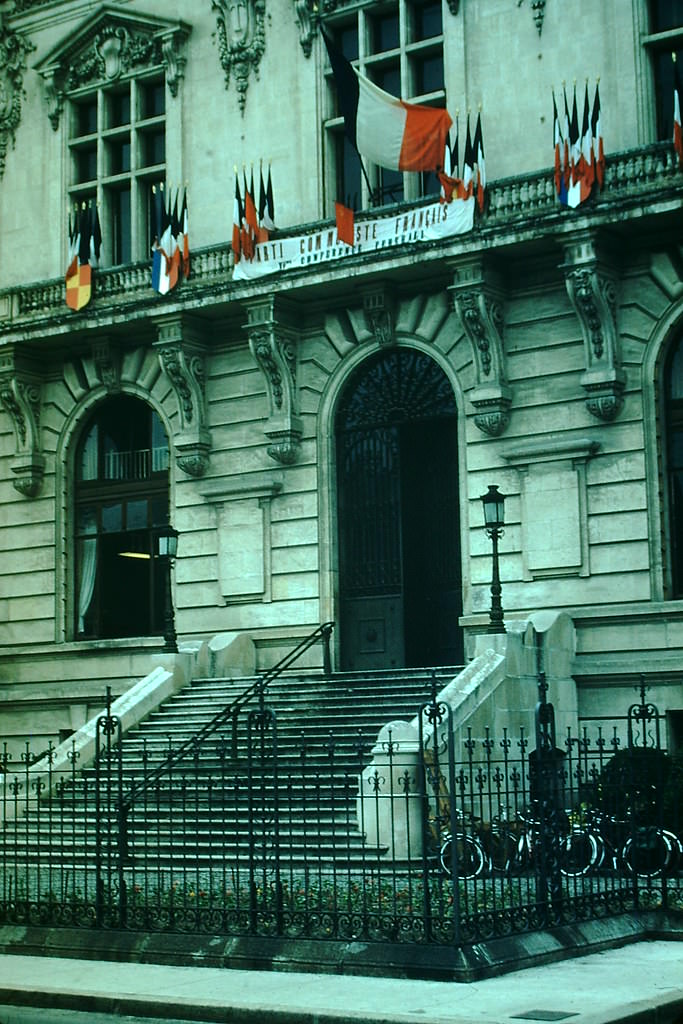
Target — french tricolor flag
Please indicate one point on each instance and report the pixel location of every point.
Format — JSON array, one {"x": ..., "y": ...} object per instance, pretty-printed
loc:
[{"x": 391, "y": 133}]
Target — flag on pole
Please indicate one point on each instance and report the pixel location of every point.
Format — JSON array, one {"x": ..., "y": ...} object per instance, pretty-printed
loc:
[
  {"x": 468, "y": 164},
  {"x": 565, "y": 136},
  {"x": 85, "y": 240},
  {"x": 558, "y": 144},
  {"x": 574, "y": 143},
  {"x": 345, "y": 223},
  {"x": 393, "y": 134},
  {"x": 184, "y": 237},
  {"x": 478, "y": 147},
  {"x": 162, "y": 246},
  {"x": 598, "y": 146},
  {"x": 678, "y": 98},
  {"x": 586, "y": 160},
  {"x": 237, "y": 216}
]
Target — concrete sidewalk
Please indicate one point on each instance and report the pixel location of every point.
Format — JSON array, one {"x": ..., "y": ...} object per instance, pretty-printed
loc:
[{"x": 641, "y": 983}]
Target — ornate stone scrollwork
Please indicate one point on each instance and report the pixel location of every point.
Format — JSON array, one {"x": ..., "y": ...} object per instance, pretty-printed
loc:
[
  {"x": 378, "y": 306},
  {"x": 478, "y": 300},
  {"x": 538, "y": 11},
  {"x": 109, "y": 46},
  {"x": 13, "y": 50},
  {"x": 20, "y": 394},
  {"x": 592, "y": 288},
  {"x": 273, "y": 345},
  {"x": 107, "y": 362},
  {"x": 181, "y": 355},
  {"x": 241, "y": 28},
  {"x": 306, "y": 13}
]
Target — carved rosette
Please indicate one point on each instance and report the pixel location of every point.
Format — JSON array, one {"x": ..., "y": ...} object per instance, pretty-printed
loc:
[
  {"x": 592, "y": 289},
  {"x": 478, "y": 301},
  {"x": 274, "y": 347},
  {"x": 20, "y": 396},
  {"x": 241, "y": 31},
  {"x": 378, "y": 306},
  {"x": 13, "y": 50},
  {"x": 181, "y": 355},
  {"x": 109, "y": 47}
]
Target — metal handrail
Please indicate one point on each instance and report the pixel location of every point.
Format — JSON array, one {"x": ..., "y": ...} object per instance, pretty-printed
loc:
[{"x": 322, "y": 632}]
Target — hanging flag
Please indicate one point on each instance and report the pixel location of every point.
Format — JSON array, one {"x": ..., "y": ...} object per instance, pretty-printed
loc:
[
  {"x": 574, "y": 143},
  {"x": 478, "y": 147},
  {"x": 237, "y": 215},
  {"x": 455, "y": 154},
  {"x": 678, "y": 98},
  {"x": 345, "y": 224},
  {"x": 249, "y": 221},
  {"x": 268, "y": 216},
  {"x": 586, "y": 161},
  {"x": 557, "y": 143},
  {"x": 565, "y": 135},
  {"x": 95, "y": 238},
  {"x": 78, "y": 278},
  {"x": 162, "y": 246},
  {"x": 393, "y": 134},
  {"x": 184, "y": 240},
  {"x": 468, "y": 164},
  {"x": 598, "y": 147}
]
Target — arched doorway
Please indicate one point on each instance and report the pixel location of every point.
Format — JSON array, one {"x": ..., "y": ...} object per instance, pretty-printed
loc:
[
  {"x": 398, "y": 516},
  {"x": 121, "y": 501}
]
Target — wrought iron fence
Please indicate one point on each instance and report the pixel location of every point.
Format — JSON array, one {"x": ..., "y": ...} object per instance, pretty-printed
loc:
[{"x": 267, "y": 829}]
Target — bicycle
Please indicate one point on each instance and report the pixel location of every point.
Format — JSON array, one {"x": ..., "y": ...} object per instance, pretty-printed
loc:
[{"x": 604, "y": 842}]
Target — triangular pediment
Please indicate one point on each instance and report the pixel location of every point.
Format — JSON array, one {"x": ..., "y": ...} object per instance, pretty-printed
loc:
[{"x": 110, "y": 45}]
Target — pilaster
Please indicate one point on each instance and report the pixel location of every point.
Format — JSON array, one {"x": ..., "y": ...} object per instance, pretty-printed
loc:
[{"x": 20, "y": 395}]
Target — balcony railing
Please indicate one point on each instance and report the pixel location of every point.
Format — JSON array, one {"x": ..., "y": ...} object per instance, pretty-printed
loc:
[{"x": 631, "y": 177}]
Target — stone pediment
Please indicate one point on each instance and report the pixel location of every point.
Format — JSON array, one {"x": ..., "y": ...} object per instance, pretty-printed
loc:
[{"x": 109, "y": 46}]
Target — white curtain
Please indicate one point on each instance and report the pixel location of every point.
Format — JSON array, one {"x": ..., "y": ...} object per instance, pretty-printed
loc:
[{"x": 87, "y": 568}]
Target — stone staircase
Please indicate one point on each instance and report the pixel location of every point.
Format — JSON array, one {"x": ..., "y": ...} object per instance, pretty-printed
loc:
[{"x": 225, "y": 797}]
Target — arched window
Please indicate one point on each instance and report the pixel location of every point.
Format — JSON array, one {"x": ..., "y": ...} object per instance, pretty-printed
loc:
[
  {"x": 121, "y": 501},
  {"x": 673, "y": 390}
]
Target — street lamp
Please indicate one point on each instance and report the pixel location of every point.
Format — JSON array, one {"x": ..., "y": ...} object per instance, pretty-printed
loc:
[
  {"x": 167, "y": 542},
  {"x": 494, "y": 520}
]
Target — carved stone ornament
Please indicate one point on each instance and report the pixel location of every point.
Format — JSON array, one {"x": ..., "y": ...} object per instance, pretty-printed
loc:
[
  {"x": 181, "y": 355},
  {"x": 592, "y": 288},
  {"x": 107, "y": 361},
  {"x": 538, "y": 11},
  {"x": 20, "y": 391},
  {"x": 378, "y": 306},
  {"x": 13, "y": 50},
  {"x": 478, "y": 301},
  {"x": 110, "y": 46},
  {"x": 273, "y": 346},
  {"x": 241, "y": 30},
  {"x": 306, "y": 12}
]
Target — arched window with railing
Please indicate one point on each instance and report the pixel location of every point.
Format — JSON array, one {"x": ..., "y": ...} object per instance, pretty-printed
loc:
[
  {"x": 121, "y": 502},
  {"x": 673, "y": 418}
]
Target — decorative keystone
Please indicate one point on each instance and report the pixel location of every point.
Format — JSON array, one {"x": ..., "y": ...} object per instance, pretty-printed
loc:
[
  {"x": 241, "y": 29},
  {"x": 378, "y": 306}
]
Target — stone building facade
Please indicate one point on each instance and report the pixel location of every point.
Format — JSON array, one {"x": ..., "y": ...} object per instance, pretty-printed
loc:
[{"x": 320, "y": 434}]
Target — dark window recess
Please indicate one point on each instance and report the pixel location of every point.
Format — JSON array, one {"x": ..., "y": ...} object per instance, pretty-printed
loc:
[
  {"x": 119, "y": 109},
  {"x": 427, "y": 21},
  {"x": 348, "y": 173},
  {"x": 153, "y": 100},
  {"x": 346, "y": 40},
  {"x": 665, "y": 15},
  {"x": 428, "y": 74},
  {"x": 121, "y": 501},
  {"x": 154, "y": 148},
  {"x": 87, "y": 118},
  {"x": 86, "y": 160},
  {"x": 385, "y": 32}
]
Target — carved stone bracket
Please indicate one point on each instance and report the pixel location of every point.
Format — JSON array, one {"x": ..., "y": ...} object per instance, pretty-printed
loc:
[
  {"x": 110, "y": 46},
  {"x": 592, "y": 287},
  {"x": 305, "y": 12},
  {"x": 241, "y": 30},
  {"x": 273, "y": 345},
  {"x": 20, "y": 394},
  {"x": 107, "y": 362},
  {"x": 13, "y": 50},
  {"x": 181, "y": 354},
  {"x": 478, "y": 300},
  {"x": 378, "y": 306}
]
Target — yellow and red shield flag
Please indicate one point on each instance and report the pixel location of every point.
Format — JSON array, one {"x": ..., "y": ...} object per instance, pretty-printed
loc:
[{"x": 78, "y": 285}]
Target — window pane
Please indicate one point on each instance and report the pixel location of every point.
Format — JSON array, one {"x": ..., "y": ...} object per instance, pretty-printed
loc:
[
  {"x": 86, "y": 117},
  {"x": 390, "y": 185},
  {"x": 153, "y": 99},
  {"x": 119, "y": 156},
  {"x": 87, "y": 469},
  {"x": 136, "y": 515},
  {"x": 346, "y": 39},
  {"x": 384, "y": 34},
  {"x": 666, "y": 14},
  {"x": 389, "y": 79},
  {"x": 119, "y": 109},
  {"x": 153, "y": 148},
  {"x": 112, "y": 518},
  {"x": 348, "y": 173},
  {"x": 428, "y": 74},
  {"x": 86, "y": 165},
  {"x": 427, "y": 21},
  {"x": 121, "y": 225}
]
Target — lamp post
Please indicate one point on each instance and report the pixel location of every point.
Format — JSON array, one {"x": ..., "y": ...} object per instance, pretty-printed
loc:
[
  {"x": 494, "y": 520},
  {"x": 168, "y": 549}
]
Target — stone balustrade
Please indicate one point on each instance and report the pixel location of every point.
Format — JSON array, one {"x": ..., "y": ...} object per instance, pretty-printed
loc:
[{"x": 636, "y": 176}]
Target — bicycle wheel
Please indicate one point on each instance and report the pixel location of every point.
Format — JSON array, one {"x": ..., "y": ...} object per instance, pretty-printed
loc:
[
  {"x": 651, "y": 852},
  {"x": 579, "y": 853},
  {"x": 471, "y": 859},
  {"x": 504, "y": 853}
]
